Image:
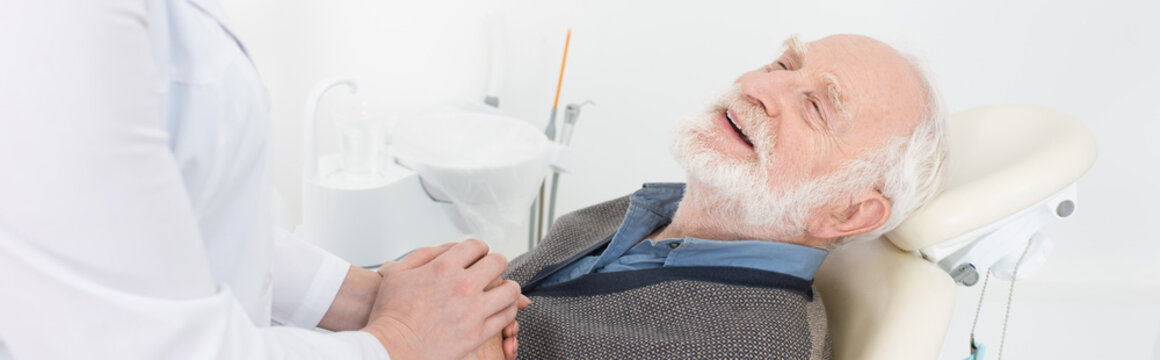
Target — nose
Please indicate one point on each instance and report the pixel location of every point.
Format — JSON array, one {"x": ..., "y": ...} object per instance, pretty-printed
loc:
[{"x": 770, "y": 90}]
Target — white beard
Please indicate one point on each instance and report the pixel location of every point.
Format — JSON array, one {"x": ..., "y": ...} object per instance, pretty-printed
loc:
[{"x": 738, "y": 192}]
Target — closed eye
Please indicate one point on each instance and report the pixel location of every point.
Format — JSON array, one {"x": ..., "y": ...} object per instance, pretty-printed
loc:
[
  {"x": 818, "y": 111},
  {"x": 779, "y": 65}
]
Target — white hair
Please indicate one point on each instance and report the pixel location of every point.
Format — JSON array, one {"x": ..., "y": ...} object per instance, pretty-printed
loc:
[{"x": 913, "y": 166}]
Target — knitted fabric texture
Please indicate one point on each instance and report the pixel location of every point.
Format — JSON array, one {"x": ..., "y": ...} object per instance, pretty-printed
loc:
[{"x": 678, "y": 314}]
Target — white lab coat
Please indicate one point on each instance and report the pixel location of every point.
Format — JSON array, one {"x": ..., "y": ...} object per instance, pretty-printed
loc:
[{"x": 135, "y": 209}]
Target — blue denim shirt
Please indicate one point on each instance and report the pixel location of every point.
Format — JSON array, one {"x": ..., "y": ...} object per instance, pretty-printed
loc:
[{"x": 653, "y": 206}]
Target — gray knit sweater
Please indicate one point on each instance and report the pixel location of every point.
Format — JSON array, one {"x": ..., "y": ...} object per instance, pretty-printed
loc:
[{"x": 663, "y": 313}]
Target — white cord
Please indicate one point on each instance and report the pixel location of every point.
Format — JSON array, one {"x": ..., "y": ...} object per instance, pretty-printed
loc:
[
  {"x": 1007, "y": 312},
  {"x": 1010, "y": 294},
  {"x": 979, "y": 307}
]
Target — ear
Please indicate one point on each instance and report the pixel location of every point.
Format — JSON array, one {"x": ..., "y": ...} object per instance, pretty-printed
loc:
[{"x": 869, "y": 212}]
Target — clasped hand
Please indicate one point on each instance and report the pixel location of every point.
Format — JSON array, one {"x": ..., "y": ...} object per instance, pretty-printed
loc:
[{"x": 445, "y": 302}]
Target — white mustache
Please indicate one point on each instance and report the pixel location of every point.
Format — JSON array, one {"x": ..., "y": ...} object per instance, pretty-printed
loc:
[{"x": 751, "y": 117}]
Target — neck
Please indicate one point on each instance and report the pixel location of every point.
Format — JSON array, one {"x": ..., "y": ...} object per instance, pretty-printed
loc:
[{"x": 691, "y": 220}]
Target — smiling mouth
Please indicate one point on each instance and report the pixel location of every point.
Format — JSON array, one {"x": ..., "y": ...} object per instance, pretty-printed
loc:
[{"x": 736, "y": 128}]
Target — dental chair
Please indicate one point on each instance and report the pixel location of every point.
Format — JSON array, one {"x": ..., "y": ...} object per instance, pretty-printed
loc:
[{"x": 1010, "y": 170}]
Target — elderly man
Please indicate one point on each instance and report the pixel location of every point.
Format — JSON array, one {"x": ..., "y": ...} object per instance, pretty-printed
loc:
[{"x": 835, "y": 141}]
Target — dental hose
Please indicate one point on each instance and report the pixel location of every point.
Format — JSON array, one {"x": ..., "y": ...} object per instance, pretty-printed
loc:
[
  {"x": 571, "y": 114},
  {"x": 552, "y": 199}
]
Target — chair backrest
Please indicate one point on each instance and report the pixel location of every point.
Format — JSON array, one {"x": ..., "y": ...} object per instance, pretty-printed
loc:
[
  {"x": 883, "y": 300},
  {"x": 884, "y": 303}
]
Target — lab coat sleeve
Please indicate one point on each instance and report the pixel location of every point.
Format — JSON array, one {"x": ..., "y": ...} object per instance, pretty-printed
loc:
[
  {"x": 306, "y": 280},
  {"x": 100, "y": 252}
]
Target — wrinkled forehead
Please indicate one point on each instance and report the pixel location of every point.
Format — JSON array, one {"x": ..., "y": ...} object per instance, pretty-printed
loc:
[{"x": 878, "y": 84}]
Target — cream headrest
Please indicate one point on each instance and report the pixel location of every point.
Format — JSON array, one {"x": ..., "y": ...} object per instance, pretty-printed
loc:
[{"x": 1003, "y": 159}]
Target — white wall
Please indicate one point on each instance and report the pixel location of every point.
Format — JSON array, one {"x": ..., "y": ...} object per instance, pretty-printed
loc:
[{"x": 648, "y": 63}]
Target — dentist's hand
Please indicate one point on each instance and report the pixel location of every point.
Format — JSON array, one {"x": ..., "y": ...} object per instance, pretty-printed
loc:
[{"x": 437, "y": 303}]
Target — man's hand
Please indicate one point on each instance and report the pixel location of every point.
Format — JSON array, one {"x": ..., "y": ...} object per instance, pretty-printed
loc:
[
  {"x": 490, "y": 350},
  {"x": 502, "y": 346},
  {"x": 508, "y": 339},
  {"x": 437, "y": 303},
  {"x": 504, "y": 343}
]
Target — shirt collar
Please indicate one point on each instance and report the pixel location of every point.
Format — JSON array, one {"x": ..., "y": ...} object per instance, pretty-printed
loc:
[
  {"x": 659, "y": 198},
  {"x": 662, "y": 199}
]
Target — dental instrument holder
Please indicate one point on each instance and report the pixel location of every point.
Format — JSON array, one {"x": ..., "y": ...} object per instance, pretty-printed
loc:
[
  {"x": 571, "y": 114},
  {"x": 997, "y": 247}
]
